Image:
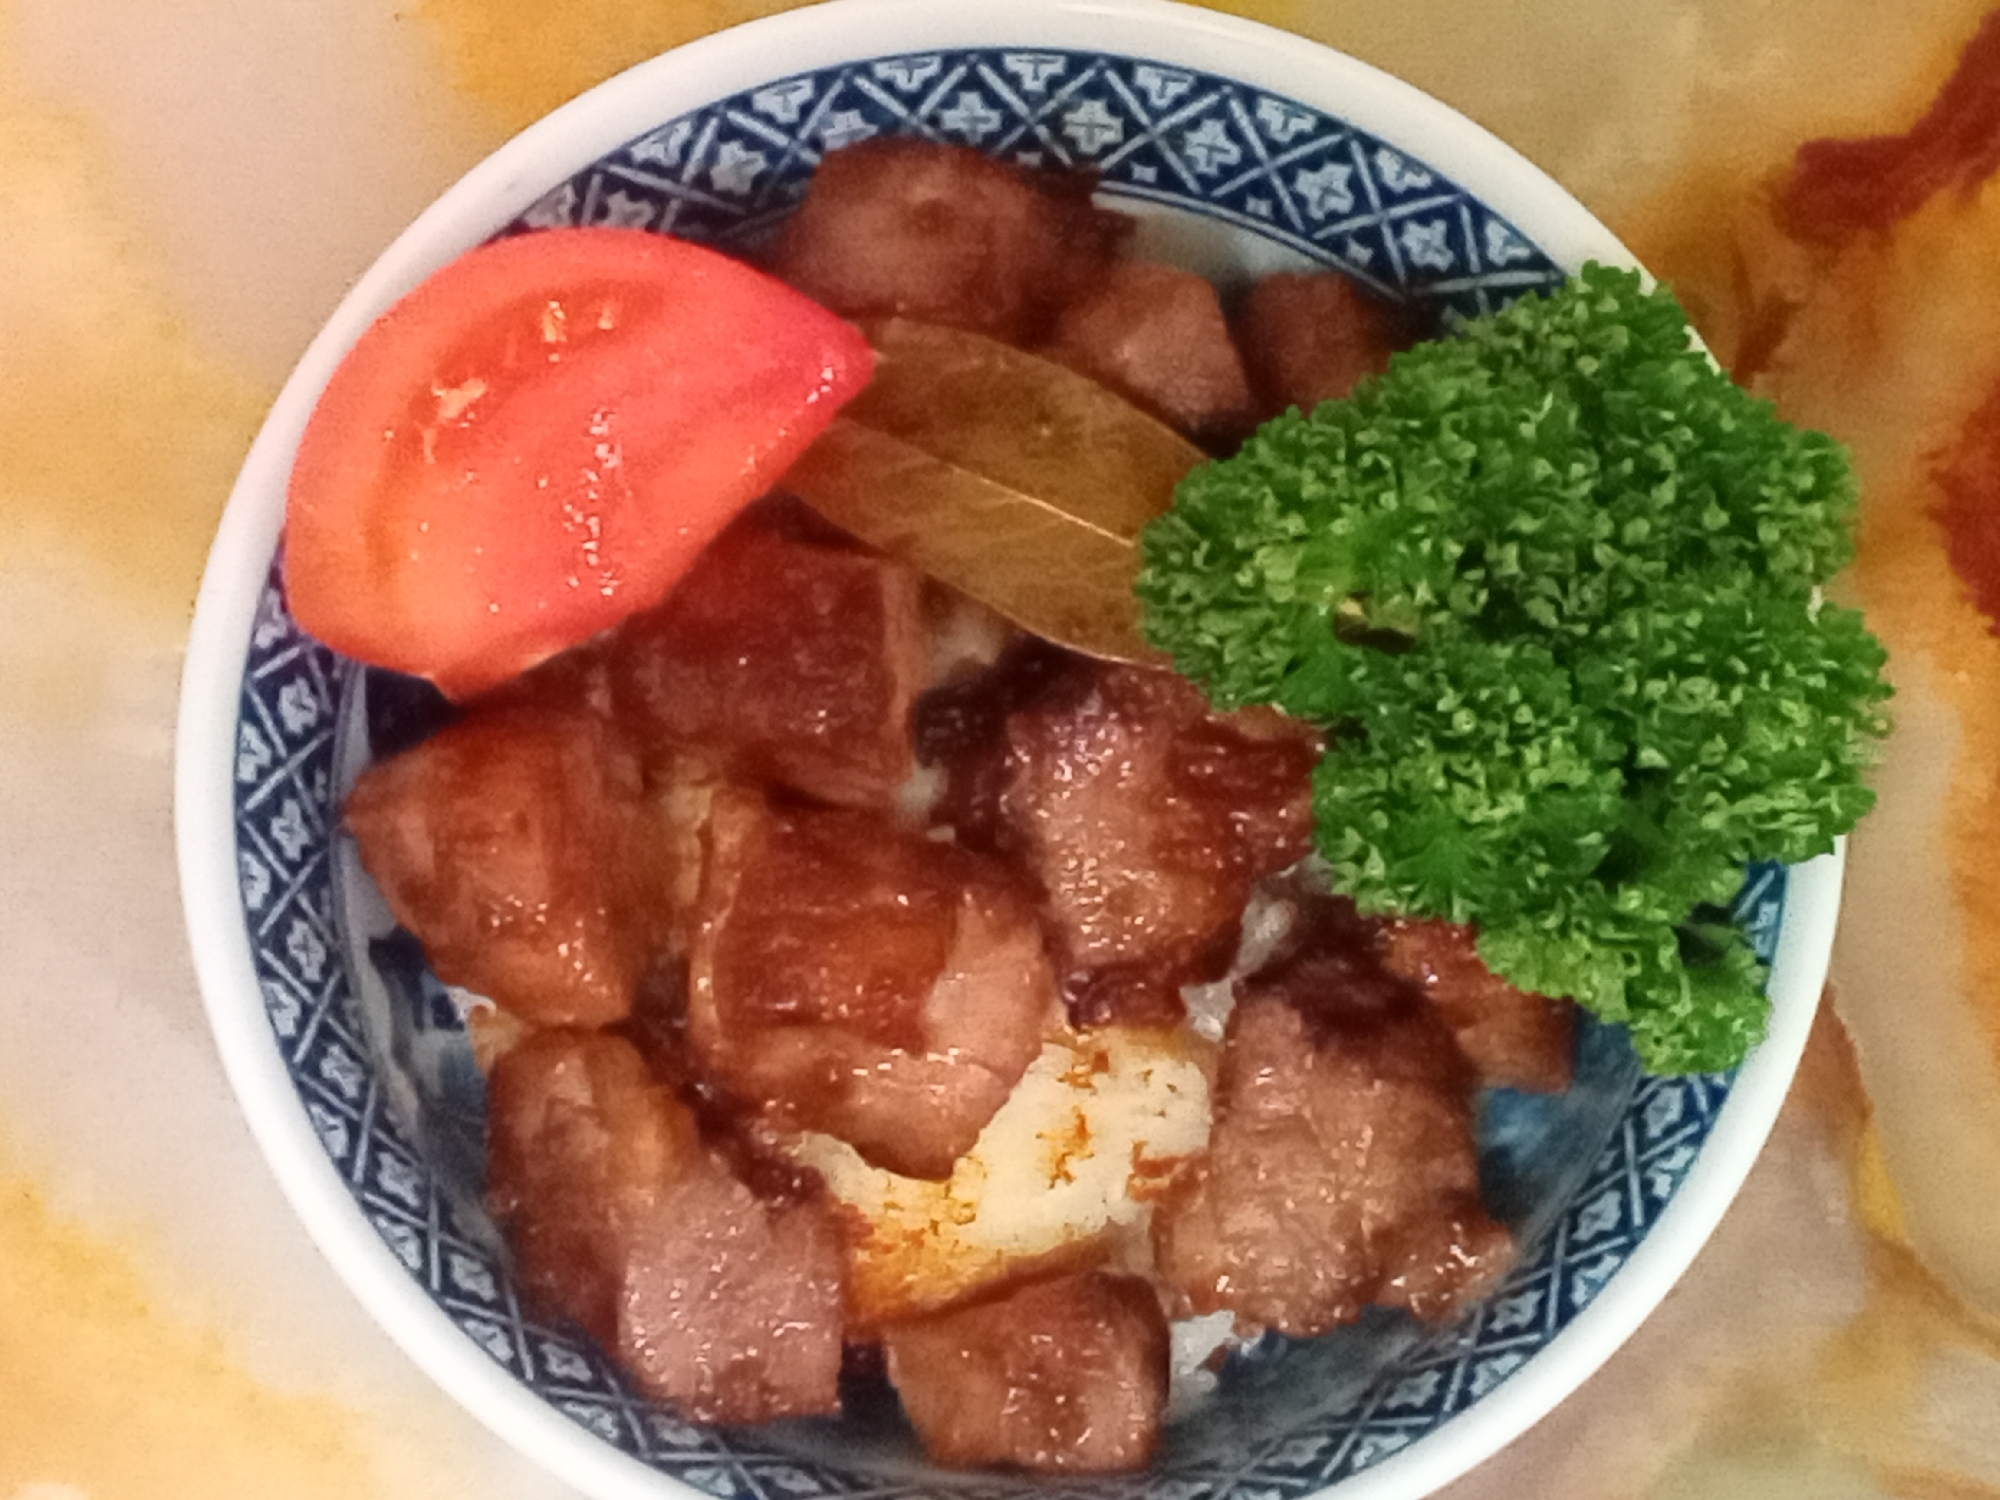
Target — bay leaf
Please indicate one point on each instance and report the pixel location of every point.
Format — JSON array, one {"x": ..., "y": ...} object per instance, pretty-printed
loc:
[{"x": 1007, "y": 476}]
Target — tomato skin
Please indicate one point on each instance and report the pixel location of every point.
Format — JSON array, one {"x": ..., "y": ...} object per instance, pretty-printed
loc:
[{"x": 538, "y": 440}]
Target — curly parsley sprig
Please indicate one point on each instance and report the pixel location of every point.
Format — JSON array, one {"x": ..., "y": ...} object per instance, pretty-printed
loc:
[{"x": 1554, "y": 586}]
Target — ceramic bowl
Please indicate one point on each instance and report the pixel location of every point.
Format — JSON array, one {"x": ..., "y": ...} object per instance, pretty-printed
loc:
[{"x": 1242, "y": 149}]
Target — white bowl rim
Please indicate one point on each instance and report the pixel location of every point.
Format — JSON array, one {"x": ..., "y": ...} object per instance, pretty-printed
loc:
[{"x": 492, "y": 195}]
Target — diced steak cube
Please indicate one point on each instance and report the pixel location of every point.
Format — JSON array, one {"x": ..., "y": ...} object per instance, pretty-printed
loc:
[
  {"x": 945, "y": 234},
  {"x": 1513, "y": 1038},
  {"x": 1157, "y": 336},
  {"x": 578, "y": 1145},
  {"x": 960, "y": 730},
  {"x": 788, "y": 658},
  {"x": 732, "y": 1308},
  {"x": 1311, "y": 337},
  {"x": 1067, "y": 1375},
  {"x": 1341, "y": 1172},
  {"x": 1325, "y": 957},
  {"x": 1146, "y": 816},
  {"x": 518, "y": 845},
  {"x": 620, "y": 1218},
  {"x": 850, "y": 978}
]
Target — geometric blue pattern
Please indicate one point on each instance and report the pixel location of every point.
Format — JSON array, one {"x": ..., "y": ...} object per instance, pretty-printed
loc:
[
  {"x": 294, "y": 694},
  {"x": 730, "y": 172},
  {"x": 1292, "y": 1416}
]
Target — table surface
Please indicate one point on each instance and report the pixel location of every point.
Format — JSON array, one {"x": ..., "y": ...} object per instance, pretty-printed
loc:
[{"x": 185, "y": 191}]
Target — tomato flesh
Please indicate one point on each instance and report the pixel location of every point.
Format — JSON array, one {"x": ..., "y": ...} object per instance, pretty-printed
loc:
[{"x": 538, "y": 440}]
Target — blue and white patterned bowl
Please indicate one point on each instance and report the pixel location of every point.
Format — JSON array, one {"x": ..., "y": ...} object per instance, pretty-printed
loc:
[{"x": 1243, "y": 150}]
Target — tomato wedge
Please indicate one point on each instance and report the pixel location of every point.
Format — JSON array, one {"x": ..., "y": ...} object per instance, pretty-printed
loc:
[{"x": 537, "y": 441}]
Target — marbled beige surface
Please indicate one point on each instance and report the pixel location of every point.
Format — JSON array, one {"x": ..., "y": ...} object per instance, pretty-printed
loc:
[{"x": 186, "y": 188}]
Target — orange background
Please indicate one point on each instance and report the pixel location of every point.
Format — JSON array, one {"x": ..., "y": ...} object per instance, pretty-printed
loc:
[{"x": 186, "y": 188}]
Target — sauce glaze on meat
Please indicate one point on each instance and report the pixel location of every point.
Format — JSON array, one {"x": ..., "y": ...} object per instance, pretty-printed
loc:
[
  {"x": 1341, "y": 1170},
  {"x": 772, "y": 874},
  {"x": 858, "y": 980},
  {"x": 518, "y": 844},
  {"x": 1146, "y": 816},
  {"x": 1067, "y": 1374},
  {"x": 623, "y": 1219}
]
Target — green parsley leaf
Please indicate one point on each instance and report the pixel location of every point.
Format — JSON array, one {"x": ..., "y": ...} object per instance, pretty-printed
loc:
[{"x": 1553, "y": 586}]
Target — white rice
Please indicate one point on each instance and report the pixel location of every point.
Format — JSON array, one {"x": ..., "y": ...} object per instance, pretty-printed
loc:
[{"x": 1062, "y": 1169}]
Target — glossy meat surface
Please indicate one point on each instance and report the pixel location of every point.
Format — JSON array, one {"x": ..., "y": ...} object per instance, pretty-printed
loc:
[
  {"x": 1146, "y": 816},
  {"x": 579, "y": 1144},
  {"x": 788, "y": 657},
  {"x": 837, "y": 1098},
  {"x": 942, "y": 233},
  {"x": 1513, "y": 1039},
  {"x": 882, "y": 987},
  {"x": 620, "y": 1218},
  {"x": 732, "y": 1308},
  {"x": 1067, "y": 1375},
  {"x": 1309, "y": 337},
  {"x": 518, "y": 846},
  {"x": 1328, "y": 959},
  {"x": 1157, "y": 336},
  {"x": 1341, "y": 1172}
]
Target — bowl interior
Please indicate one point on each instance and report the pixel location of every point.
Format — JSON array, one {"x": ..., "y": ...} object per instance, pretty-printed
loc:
[{"x": 1231, "y": 180}]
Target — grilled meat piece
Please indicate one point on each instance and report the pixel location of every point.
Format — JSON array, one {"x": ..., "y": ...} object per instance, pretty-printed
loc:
[
  {"x": 1064, "y": 1376},
  {"x": 518, "y": 845},
  {"x": 942, "y": 233},
  {"x": 850, "y": 978},
  {"x": 1309, "y": 337},
  {"x": 1146, "y": 816},
  {"x": 1157, "y": 336},
  {"x": 1341, "y": 1170},
  {"x": 786, "y": 656},
  {"x": 1513, "y": 1038},
  {"x": 621, "y": 1219}
]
